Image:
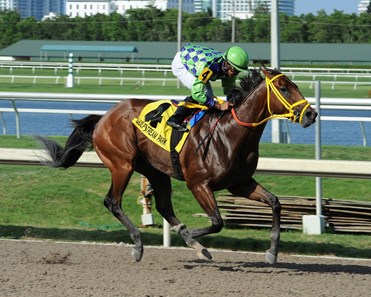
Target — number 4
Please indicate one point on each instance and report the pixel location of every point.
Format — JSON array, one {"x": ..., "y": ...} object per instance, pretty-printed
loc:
[{"x": 205, "y": 75}]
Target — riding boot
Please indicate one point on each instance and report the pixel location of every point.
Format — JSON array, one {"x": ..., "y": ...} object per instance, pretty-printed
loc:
[{"x": 177, "y": 119}]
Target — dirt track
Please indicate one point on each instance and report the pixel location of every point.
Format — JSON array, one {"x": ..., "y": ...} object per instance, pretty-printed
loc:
[{"x": 61, "y": 269}]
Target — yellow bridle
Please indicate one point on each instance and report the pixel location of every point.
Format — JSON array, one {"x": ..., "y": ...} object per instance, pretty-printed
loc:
[{"x": 290, "y": 107}]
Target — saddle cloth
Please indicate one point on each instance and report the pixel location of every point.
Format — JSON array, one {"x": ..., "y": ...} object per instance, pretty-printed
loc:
[{"x": 152, "y": 123}]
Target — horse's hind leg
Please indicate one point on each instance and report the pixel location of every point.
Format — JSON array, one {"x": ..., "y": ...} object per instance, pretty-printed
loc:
[
  {"x": 113, "y": 203},
  {"x": 255, "y": 191}
]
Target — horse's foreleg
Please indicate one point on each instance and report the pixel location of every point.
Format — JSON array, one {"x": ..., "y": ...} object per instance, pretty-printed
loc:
[
  {"x": 205, "y": 197},
  {"x": 113, "y": 203},
  {"x": 161, "y": 185},
  {"x": 255, "y": 191}
]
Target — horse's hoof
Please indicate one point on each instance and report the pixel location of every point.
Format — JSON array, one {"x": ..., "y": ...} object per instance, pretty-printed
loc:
[
  {"x": 271, "y": 258},
  {"x": 137, "y": 254},
  {"x": 204, "y": 254}
]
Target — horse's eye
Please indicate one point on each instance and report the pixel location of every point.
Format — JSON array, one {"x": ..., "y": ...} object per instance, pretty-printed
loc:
[{"x": 283, "y": 89}]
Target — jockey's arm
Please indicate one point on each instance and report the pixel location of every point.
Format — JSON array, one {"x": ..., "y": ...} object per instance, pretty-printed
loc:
[{"x": 198, "y": 92}]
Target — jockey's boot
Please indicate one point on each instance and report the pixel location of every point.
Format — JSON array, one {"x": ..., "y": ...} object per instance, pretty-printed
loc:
[{"x": 177, "y": 119}]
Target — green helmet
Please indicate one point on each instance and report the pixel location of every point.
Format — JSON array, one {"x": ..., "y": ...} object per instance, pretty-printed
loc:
[{"x": 237, "y": 57}]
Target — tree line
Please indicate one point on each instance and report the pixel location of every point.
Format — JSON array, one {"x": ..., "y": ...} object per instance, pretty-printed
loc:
[{"x": 152, "y": 24}]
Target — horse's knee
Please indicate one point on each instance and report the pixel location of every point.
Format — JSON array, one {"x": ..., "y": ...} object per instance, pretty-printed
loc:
[
  {"x": 217, "y": 225},
  {"x": 110, "y": 204},
  {"x": 276, "y": 205},
  {"x": 273, "y": 202},
  {"x": 107, "y": 202}
]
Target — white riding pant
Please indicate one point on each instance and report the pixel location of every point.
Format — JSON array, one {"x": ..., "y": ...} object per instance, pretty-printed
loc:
[{"x": 185, "y": 77}]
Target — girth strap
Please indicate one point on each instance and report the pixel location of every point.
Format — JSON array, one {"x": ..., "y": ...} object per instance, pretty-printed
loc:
[{"x": 176, "y": 135}]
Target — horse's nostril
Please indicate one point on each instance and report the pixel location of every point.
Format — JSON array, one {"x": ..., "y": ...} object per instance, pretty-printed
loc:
[{"x": 311, "y": 114}]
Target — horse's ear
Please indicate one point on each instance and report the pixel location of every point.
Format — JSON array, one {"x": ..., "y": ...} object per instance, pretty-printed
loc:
[
  {"x": 269, "y": 72},
  {"x": 265, "y": 71},
  {"x": 261, "y": 62}
]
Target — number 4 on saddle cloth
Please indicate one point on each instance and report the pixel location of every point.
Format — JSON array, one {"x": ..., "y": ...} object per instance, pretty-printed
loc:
[{"x": 152, "y": 123}]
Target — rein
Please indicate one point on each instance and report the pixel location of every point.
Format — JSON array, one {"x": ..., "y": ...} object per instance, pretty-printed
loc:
[
  {"x": 209, "y": 133},
  {"x": 290, "y": 115}
]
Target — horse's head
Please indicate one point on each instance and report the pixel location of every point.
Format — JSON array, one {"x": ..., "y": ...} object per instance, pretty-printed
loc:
[{"x": 285, "y": 99}]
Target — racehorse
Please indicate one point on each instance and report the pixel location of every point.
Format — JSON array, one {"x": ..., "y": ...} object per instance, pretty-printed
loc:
[{"x": 221, "y": 152}]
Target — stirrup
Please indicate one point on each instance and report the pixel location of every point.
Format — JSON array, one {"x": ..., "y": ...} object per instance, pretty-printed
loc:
[
  {"x": 183, "y": 128},
  {"x": 180, "y": 128}
]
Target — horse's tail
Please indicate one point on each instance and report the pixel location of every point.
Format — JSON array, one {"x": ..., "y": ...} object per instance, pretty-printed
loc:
[{"x": 80, "y": 140}]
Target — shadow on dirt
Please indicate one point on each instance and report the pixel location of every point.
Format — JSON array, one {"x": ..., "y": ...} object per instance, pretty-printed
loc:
[
  {"x": 288, "y": 268},
  {"x": 215, "y": 241}
]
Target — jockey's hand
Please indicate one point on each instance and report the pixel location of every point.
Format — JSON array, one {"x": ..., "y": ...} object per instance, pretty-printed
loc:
[{"x": 222, "y": 106}]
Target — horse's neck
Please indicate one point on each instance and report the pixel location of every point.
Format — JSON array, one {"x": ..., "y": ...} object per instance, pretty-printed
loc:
[{"x": 254, "y": 109}]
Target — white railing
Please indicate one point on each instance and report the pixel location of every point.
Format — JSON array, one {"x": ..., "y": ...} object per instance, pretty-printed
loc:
[
  {"x": 60, "y": 65},
  {"x": 325, "y": 70},
  {"x": 312, "y": 72},
  {"x": 279, "y": 166},
  {"x": 99, "y": 67},
  {"x": 141, "y": 81}
]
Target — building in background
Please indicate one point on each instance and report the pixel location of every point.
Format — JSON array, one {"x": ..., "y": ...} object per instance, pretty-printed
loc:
[
  {"x": 83, "y": 8},
  {"x": 227, "y": 9},
  {"x": 78, "y": 8},
  {"x": 57, "y": 7},
  {"x": 242, "y": 9},
  {"x": 34, "y": 8},
  {"x": 363, "y": 5},
  {"x": 121, "y": 6},
  {"x": 223, "y": 9},
  {"x": 6, "y": 4},
  {"x": 189, "y": 6}
]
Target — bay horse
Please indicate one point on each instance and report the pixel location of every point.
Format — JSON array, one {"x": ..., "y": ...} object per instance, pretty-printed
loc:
[{"x": 221, "y": 152}]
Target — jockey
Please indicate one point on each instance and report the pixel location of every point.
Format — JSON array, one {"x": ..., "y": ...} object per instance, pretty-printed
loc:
[{"x": 195, "y": 66}]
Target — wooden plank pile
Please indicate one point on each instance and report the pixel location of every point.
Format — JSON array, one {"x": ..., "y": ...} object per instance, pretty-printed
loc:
[
  {"x": 348, "y": 216},
  {"x": 340, "y": 215}
]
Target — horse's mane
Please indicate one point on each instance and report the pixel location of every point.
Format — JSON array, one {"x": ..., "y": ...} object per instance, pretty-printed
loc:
[{"x": 248, "y": 84}]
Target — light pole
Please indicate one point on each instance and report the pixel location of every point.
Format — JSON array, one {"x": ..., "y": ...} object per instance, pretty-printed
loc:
[
  {"x": 275, "y": 62},
  {"x": 180, "y": 5},
  {"x": 233, "y": 21},
  {"x": 180, "y": 8}
]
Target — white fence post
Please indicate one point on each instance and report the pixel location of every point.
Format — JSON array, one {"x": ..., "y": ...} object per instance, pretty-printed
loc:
[
  {"x": 315, "y": 224},
  {"x": 166, "y": 234}
]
